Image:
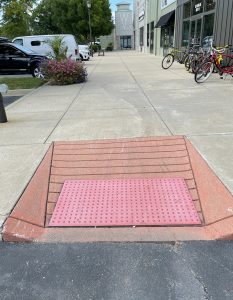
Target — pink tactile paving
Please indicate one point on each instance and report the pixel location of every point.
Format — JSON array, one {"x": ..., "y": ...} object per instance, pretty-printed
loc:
[{"x": 125, "y": 202}]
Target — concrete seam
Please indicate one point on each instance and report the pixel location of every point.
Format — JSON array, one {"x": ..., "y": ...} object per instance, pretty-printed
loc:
[
  {"x": 147, "y": 97},
  {"x": 75, "y": 97}
]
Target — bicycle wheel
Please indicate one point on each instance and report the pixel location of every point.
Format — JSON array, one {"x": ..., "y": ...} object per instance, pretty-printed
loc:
[
  {"x": 204, "y": 71},
  {"x": 167, "y": 61},
  {"x": 187, "y": 63}
]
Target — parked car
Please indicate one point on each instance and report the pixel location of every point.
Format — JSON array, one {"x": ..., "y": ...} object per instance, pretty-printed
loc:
[
  {"x": 4, "y": 39},
  {"x": 39, "y": 44},
  {"x": 84, "y": 52},
  {"x": 16, "y": 58}
]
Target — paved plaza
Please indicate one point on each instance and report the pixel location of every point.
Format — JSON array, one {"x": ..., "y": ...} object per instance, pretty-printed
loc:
[{"x": 127, "y": 95}]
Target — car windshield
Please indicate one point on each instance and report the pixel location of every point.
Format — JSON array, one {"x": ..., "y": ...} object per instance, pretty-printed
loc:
[{"x": 24, "y": 49}]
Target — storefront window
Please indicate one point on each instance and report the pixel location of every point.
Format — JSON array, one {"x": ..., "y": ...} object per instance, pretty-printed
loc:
[
  {"x": 141, "y": 36},
  {"x": 152, "y": 25},
  {"x": 185, "y": 35},
  {"x": 148, "y": 36},
  {"x": 198, "y": 29},
  {"x": 167, "y": 36},
  {"x": 187, "y": 10},
  {"x": 192, "y": 33},
  {"x": 197, "y": 7},
  {"x": 208, "y": 25},
  {"x": 210, "y": 4}
]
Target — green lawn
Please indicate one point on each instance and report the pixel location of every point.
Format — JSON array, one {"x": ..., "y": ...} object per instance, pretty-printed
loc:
[{"x": 22, "y": 83}]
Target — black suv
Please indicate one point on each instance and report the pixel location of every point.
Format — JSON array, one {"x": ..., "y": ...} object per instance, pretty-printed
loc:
[{"x": 16, "y": 58}]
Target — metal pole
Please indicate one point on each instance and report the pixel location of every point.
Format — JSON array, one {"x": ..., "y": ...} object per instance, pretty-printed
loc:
[
  {"x": 3, "y": 118},
  {"x": 89, "y": 16}
]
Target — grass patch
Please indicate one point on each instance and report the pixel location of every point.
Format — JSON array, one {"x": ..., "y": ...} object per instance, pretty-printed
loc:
[{"x": 22, "y": 83}]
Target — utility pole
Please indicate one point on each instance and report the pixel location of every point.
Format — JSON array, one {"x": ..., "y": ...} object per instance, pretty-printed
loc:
[{"x": 89, "y": 19}]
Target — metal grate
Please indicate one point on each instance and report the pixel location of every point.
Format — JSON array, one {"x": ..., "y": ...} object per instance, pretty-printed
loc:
[{"x": 125, "y": 202}]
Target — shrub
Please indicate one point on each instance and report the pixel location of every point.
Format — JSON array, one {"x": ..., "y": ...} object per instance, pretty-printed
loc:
[
  {"x": 109, "y": 47},
  {"x": 94, "y": 47},
  {"x": 64, "y": 72}
]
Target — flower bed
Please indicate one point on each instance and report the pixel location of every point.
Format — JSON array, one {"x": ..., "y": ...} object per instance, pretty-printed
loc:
[{"x": 64, "y": 72}]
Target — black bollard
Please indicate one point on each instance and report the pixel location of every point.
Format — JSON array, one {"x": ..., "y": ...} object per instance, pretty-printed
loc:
[{"x": 3, "y": 118}]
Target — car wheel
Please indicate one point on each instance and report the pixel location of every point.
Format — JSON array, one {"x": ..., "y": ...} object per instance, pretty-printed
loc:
[
  {"x": 36, "y": 72},
  {"x": 81, "y": 57}
]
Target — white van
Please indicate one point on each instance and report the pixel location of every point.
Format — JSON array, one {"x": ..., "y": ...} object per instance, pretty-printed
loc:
[{"x": 38, "y": 43}]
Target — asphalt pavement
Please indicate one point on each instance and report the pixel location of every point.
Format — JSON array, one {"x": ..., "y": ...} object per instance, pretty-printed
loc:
[
  {"x": 7, "y": 100},
  {"x": 186, "y": 271}
]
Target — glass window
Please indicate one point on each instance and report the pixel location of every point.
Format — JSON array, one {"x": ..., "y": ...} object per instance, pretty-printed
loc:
[
  {"x": 185, "y": 34},
  {"x": 198, "y": 29},
  {"x": 18, "y": 42},
  {"x": 3, "y": 50},
  {"x": 210, "y": 4},
  {"x": 164, "y": 37},
  {"x": 35, "y": 43},
  {"x": 167, "y": 36},
  {"x": 141, "y": 36},
  {"x": 192, "y": 32},
  {"x": 152, "y": 25},
  {"x": 187, "y": 9},
  {"x": 24, "y": 49},
  {"x": 208, "y": 27},
  {"x": 125, "y": 41},
  {"x": 197, "y": 7},
  {"x": 148, "y": 35},
  {"x": 11, "y": 51}
]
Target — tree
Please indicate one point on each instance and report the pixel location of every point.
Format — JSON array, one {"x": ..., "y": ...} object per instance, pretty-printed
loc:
[
  {"x": 42, "y": 20},
  {"x": 16, "y": 16},
  {"x": 71, "y": 16}
]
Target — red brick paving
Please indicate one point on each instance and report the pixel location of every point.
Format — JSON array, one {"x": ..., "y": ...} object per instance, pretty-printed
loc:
[{"x": 153, "y": 157}]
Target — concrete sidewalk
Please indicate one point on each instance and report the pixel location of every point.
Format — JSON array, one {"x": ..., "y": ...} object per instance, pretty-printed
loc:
[{"x": 127, "y": 95}]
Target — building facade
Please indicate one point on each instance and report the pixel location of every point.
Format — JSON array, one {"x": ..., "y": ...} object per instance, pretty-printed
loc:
[
  {"x": 124, "y": 26},
  {"x": 140, "y": 23},
  {"x": 198, "y": 19},
  {"x": 161, "y": 23},
  {"x": 154, "y": 22}
]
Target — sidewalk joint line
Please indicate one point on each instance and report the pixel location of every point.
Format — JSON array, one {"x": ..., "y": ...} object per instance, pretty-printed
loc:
[
  {"x": 71, "y": 103},
  {"x": 147, "y": 97}
]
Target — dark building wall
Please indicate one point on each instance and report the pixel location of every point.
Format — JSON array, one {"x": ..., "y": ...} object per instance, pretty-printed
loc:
[
  {"x": 223, "y": 24},
  {"x": 178, "y": 24},
  {"x": 223, "y": 28}
]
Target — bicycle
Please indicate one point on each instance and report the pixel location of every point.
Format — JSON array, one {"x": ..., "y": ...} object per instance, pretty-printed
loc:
[
  {"x": 218, "y": 59},
  {"x": 195, "y": 57},
  {"x": 174, "y": 55}
]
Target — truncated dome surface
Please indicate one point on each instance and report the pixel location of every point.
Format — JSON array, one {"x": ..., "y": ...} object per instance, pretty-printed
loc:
[{"x": 125, "y": 202}]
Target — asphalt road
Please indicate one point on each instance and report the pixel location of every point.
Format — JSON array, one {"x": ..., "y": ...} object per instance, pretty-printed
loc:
[
  {"x": 193, "y": 270},
  {"x": 9, "y": 99}
]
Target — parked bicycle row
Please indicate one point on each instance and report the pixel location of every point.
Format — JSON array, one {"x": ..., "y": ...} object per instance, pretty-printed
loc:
[{"x": 202, "y": 62}]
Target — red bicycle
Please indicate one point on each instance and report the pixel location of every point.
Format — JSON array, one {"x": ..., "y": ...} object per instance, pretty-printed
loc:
[{"x": 218, "y": 60}]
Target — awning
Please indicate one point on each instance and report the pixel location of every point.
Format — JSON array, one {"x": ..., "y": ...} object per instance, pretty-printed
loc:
[{"x": 163, "y": 21}]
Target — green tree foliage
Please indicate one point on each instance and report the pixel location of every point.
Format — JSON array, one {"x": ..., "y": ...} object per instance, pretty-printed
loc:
[
  {"x": 71, "y": 16},
  {"x": 16, "y": 16},
  {"x": 43, "y": 20}
]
